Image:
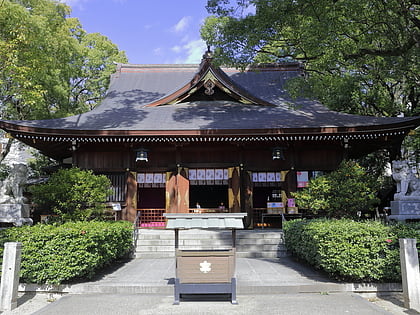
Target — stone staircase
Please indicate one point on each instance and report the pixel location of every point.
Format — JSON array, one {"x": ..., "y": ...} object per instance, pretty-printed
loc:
[{"x": 249, "y": 243}]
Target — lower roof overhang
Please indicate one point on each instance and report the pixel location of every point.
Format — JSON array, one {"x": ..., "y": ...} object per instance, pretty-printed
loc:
[{"x": 57, "y": 143}]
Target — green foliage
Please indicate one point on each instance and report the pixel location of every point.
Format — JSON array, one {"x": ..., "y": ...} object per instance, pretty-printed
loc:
[
  {"x": 50, "y": 67},
  {"x": 37, "y": 164},
  {"x": 342, "y": 193},
  {"x": 4, "y": 171},
  {"x": 361, "y": 56},
  {"x": 411, "y": 147},
  {"x": 54, "y": 254},
  {"x": 74, "y": 194},
  {"x": 349, "y": 250}
]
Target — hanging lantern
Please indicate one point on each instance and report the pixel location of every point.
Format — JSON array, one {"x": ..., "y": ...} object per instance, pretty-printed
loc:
[
  {"x": 141, "y": 155},
  {"x": 278, "y": 153}
]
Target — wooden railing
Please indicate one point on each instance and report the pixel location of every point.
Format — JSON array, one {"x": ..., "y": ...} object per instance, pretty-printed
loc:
[{"x": 151, "y": 218}]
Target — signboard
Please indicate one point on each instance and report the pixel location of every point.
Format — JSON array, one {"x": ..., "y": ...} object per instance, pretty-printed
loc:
[
  {"x": 116, "y": 207},
  {"x": 302, "y": 179}
]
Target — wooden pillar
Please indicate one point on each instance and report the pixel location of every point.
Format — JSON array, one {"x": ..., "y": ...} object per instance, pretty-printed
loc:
[
  {"x": 247, "y": 195},
  {"x": 176, "y": 238},
  {"x": 291, "y": 182},
  {"x": 234, "y": 189},
  {"x": 183, "y": 192},
  {"x": 171, "y": 195},
  {"x": 130, "y": 211},
  {"x": 177, "y": 193}
]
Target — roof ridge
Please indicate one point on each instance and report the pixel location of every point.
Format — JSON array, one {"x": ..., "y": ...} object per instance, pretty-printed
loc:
[
  {"x": 162, "y": 65},
  {"x": 293, "y": 66}
]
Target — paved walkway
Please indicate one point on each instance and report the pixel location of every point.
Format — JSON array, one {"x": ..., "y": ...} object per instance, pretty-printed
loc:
[
  {"x": 295, "y": 304},
  {"x": 266, "y": 286},
  {"x": 254, "y": 276}
]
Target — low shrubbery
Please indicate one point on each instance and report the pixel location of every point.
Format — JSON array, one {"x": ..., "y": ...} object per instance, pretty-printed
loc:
[
  {"x": 73, "y": 194},
  {"x": 349, "y": 250},
  {"x": 60, "y": 253},
  {"x": 343, "y": 193}
]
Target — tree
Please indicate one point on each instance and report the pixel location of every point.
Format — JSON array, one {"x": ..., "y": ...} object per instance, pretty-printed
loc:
[
  {"x": 50, "y": 67},
  {"x": 343, "y": 193},
  {"x": 360, "y": 56},
  {"x": 74, "y": 194}
]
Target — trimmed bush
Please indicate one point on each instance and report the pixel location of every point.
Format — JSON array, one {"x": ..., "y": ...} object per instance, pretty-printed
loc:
[
  {"x": 54, "y": 254},
  {"x": 349, "y": 250},
  {"x": 74, "y": 194},
  {"x": 342, "y": 193}
]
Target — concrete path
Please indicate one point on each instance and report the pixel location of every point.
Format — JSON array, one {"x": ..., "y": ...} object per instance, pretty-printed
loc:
[
  {"x": 254, "y": 276},
  {"x": 310, "y": 303},
  {"x": 265, "y": 286}
]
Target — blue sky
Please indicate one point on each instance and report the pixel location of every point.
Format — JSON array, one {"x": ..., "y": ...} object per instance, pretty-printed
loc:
[{"x": 149, "y": 31}]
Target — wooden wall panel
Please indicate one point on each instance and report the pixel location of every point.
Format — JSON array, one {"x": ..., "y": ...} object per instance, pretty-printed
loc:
[
  {"x": 317, "y": 158},
  {"x": 103, "y": 160}
]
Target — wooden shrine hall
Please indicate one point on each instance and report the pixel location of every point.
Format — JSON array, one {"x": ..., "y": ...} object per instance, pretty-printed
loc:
[{"x": 199, "y": 138}]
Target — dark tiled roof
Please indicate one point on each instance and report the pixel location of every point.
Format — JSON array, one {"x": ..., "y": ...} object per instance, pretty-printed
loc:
[{"x": 133, "y": 87}]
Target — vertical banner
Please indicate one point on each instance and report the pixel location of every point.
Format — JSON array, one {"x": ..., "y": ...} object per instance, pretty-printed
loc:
[{"x": 234, "y": 183}]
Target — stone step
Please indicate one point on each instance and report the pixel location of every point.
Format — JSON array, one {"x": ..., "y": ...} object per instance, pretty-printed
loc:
[
  {"x": 205, "y": 242},
  {"x": 217, "y": 235},
  {"x": 148, "y": 248},
  {"x": 250, "y": 243}
]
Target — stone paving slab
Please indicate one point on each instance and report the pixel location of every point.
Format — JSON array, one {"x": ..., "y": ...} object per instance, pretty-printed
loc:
[
  {"x": 266, "y": 286},
  {"x": 296, "y": 304},
  {"x": 254, "y": 276}
]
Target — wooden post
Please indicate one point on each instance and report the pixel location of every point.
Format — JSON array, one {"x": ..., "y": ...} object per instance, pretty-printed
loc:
[
  {"x": 131, "y": 198},
  {"x": 176, "y": 239},
  {"x": 410, "y": 273},
  {"x": 10, "y": 276}
]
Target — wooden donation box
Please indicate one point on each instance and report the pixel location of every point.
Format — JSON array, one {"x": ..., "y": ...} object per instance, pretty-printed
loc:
[{"x": 205, "y": 271}]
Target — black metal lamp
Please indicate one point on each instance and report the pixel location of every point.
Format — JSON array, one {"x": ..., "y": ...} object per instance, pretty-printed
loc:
[
  {"x": 278, "y": 153},
  {"x": 346, "y": 143},
  {"x": 141, "y": 155}
]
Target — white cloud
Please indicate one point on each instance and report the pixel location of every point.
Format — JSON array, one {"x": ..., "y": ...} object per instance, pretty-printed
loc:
[
  {"x": 177, "y": 49},
  {"x": 181, "y": 25},
  {"x": 192, "y": 52}
]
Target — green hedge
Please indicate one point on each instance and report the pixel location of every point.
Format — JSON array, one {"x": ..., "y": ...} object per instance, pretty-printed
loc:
[
  {"x": 54, "y": 254},
  {"x": 349, "y": 250}
]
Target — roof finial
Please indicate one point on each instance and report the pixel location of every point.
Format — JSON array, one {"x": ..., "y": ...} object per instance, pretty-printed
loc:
[{"x": 208, "y": 54}]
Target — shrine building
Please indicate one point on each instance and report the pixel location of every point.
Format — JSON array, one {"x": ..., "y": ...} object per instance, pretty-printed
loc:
[{"x": 199, "y": 138}]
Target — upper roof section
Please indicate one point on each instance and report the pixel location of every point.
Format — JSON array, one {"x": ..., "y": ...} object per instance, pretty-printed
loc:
[
  {"x": 157, "y": 85},
  {"x": 155, "y": 100}
]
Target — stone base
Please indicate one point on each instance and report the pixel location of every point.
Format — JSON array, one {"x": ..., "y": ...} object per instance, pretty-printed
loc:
[
  {"x": 405, "y": 207},
  {"x": 402, "y": 210},
  {"x": 18, "y": 214}
]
